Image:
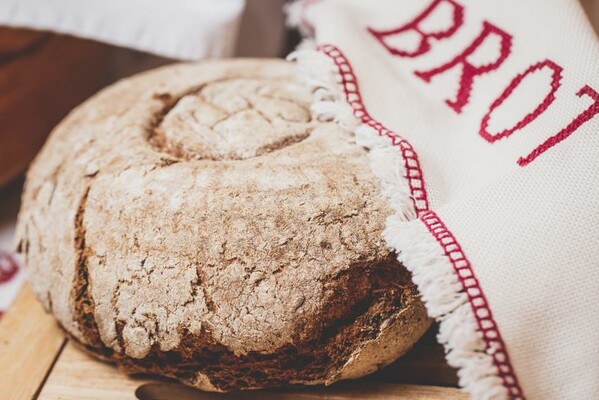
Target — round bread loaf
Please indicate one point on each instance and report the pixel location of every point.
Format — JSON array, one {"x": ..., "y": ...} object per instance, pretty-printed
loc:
[{"x": 195, "y": 221}]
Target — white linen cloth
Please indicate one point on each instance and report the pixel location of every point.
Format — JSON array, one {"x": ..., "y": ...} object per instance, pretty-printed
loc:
[
  {"x": 482, "y": 122},
  {"x": 180, "y": 29}
]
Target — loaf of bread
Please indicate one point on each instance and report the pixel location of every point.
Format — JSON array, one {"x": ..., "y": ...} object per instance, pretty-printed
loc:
[{"x": 197, "y": 222}]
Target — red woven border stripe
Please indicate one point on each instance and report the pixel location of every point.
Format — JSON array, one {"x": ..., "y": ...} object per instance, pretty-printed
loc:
[
  {"x": 354, "y": 98},
  {"x": 495, "y": 346}
]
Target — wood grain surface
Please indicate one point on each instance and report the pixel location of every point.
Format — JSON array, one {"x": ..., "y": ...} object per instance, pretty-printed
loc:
[
  {"x": 79, "y": 376},
  {"x": 30, "y": 342}
]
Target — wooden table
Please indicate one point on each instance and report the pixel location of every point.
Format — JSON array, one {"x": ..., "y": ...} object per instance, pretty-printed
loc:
[{"x": 37, "y": 361}]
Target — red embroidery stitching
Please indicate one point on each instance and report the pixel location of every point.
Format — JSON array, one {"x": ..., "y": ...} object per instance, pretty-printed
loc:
[
  {"x": 354, "y": 98},
  {"x": 495, "y": 346},
  {"x": 494, "y": 343},
  {"x": 8, "y": 267},
  {"x": 569, "y": 129},
  {"x": 424, "y": 45},
  {"x": 528, "y": 118},
  {"x": 470, "y": 71}
]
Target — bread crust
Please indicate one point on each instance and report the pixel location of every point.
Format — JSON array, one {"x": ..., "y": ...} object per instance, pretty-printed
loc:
[{"x": 196, "y": 222}]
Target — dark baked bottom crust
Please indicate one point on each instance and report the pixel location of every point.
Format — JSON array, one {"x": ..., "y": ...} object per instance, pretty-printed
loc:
[{"x": 362, "y": 298}]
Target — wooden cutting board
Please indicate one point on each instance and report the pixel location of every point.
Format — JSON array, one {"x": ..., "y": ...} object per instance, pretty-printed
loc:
[{"x": 37, "y": 361}]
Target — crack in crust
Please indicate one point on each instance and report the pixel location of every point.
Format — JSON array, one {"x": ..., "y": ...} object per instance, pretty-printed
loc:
[{"x": 83, "y": 302}]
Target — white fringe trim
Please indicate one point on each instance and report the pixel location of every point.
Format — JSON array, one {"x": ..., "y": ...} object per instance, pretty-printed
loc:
[
  {"x": 320, "y": 74},
  {"x": 295, "y": 11},
  {"x": 446, "y": 302},
  {"x": 417, "y": 249}
]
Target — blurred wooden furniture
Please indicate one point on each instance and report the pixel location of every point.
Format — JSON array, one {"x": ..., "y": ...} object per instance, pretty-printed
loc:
[
  {"x": 42, "y": 77},
  {"x": 38, "y": 362}
]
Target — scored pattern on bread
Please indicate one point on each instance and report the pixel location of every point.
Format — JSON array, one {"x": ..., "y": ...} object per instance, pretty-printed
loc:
[{"x": 233, "y": 119}]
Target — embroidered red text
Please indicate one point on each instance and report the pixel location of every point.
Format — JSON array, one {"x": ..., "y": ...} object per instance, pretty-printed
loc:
[
  {"x": 424, "y": 45},
  {"x": 583, "y": 117},
  {"x": 469, "y": 70},
  {"x": 528, "y": 118}
]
